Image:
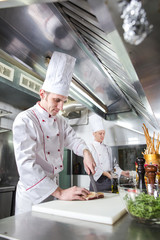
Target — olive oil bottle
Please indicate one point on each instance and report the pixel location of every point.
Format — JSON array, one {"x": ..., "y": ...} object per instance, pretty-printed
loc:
[{"x": 114, "y": 182}]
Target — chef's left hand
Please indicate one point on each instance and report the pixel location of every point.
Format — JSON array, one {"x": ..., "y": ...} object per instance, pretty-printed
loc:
[
  {"x": 89, "y": 163},
  {"x": 70, "y": 194}
]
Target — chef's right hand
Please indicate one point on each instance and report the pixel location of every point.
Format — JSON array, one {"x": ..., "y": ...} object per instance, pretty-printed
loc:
[
  {"x": 69, "y": 194},
  {"x": 89, "y": 163}
]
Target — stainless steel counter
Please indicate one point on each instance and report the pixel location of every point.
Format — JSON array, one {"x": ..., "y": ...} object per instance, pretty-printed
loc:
[{"x": 40, "y": 226}]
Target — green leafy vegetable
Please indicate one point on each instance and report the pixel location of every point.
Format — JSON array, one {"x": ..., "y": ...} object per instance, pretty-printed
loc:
[{"x": 144, "y": 206}]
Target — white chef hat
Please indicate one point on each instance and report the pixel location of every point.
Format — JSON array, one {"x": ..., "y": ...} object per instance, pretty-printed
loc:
[
  {"x": 96, "y": 123},
  {"x": 59, "y": 74}
]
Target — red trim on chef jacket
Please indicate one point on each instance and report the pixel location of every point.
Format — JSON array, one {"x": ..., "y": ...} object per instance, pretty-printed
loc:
[
  {"x": 35, "y": 184},
  {"x": 41, "y": 106},
  {"x": 47, "y": 136},
  {"x": 43, "y": 135},
  {"x": 49, "y": 115}
]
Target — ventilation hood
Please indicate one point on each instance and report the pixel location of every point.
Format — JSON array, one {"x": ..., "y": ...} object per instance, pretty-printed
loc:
[{"x": 112, "y": 78}]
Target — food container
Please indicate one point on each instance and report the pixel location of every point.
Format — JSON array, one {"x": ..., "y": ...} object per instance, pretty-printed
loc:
[
  {"x": 141, "y": 205},
  {"x": 152, "y": 158}
]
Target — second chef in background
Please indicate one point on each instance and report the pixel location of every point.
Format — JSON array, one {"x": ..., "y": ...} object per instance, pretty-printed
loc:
[{"x": 102, "y": 154}]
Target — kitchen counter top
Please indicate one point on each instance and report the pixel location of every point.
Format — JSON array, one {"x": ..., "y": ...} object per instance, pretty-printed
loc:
[{"x": 41, "y": 226}]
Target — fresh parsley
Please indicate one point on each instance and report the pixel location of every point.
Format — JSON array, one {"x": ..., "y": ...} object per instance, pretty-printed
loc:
[{"x": 144, "y": 206}]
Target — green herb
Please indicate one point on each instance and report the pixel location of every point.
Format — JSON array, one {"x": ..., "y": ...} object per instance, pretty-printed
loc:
[{"x": 144, "y": 206}]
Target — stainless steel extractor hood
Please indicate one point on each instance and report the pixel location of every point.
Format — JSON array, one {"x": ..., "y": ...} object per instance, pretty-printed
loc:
[{"x": 104, "y": 69}]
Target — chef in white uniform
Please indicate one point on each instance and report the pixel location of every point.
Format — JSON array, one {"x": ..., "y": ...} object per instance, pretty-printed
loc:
[
  {"x": 40, "y": 136},
  {"x": 102, "y": 154}
]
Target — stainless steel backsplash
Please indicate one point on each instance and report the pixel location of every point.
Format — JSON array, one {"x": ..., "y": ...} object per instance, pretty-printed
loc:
[{"x": 8, "y": 169}]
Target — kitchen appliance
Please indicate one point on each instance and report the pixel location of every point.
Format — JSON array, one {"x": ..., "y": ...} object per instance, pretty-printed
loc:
[{"x": 7, "y": 198}]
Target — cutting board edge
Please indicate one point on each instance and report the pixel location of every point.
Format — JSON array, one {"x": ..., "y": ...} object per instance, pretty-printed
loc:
[
  {"x": 72, "y": 216},
  {"x": 83, "y": 217}
]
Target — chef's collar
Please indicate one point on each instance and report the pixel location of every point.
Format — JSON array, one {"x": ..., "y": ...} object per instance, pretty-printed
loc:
[
  {"x": 44, "y": 111},
  {"x": 97, "y": 143}
]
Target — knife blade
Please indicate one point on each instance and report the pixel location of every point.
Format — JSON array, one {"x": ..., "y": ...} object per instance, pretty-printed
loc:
[{"x": 93, "y": 182}]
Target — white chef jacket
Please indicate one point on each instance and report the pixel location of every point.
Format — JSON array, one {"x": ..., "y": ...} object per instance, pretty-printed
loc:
[
  {"x": 103, "y": 157},
  {"x": 39, "y": 141}
]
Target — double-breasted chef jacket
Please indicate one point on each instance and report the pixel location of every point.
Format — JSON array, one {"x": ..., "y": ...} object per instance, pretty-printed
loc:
[
  {"x": 39, "y": 142},
  {"x": 103, "y": 157}
]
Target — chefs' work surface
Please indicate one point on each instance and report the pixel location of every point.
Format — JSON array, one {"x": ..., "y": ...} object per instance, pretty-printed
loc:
[{"x": 105, "y": 210}]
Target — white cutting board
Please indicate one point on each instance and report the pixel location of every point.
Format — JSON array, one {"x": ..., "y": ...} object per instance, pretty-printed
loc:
[{"x": 105, "y": 210}]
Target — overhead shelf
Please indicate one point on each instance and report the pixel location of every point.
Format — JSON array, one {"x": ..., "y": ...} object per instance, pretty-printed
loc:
[{"x": 18, "y": 88}]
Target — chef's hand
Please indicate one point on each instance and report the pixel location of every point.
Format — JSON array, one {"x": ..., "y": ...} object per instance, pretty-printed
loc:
[
  {"x": 69, "y": 194},
  {"x": 125, "y": 173},
  {"x": 107, "y": 174},
  {"x": 89, "y": 163}
]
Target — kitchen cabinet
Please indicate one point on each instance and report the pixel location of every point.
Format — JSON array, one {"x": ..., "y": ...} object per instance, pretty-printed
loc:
[{"x": 7, "y": 197}]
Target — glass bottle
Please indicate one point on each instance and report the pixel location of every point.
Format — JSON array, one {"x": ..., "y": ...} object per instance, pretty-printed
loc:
[{"x": 114, "y": 182}]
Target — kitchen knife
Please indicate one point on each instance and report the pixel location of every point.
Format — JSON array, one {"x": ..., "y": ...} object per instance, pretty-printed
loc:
[{"x": 93, "y": 182}]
